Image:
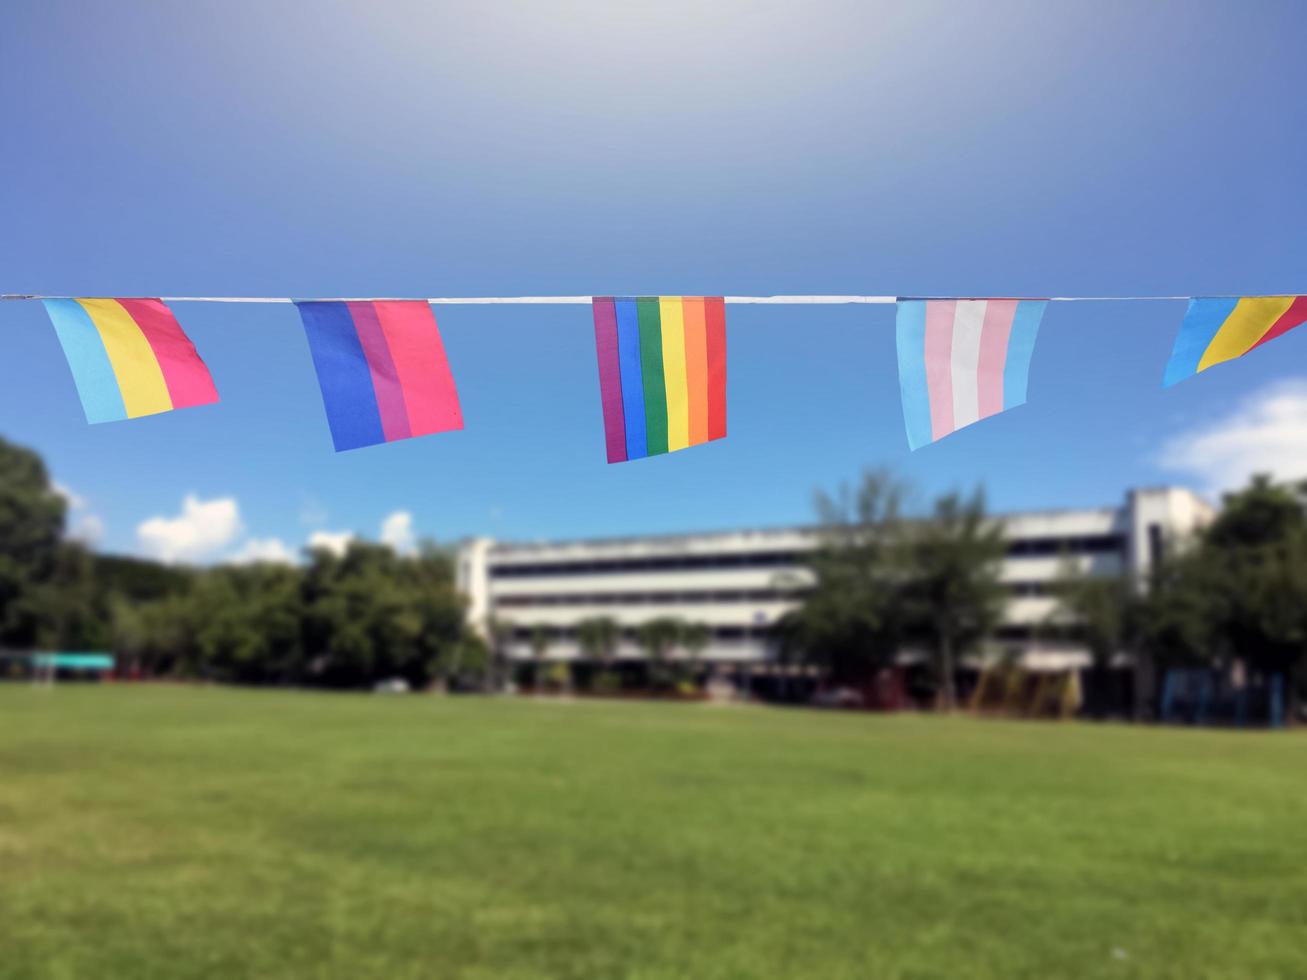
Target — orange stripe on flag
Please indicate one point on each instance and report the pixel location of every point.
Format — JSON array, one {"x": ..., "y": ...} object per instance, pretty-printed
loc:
[{"x": 696, "y": 368}]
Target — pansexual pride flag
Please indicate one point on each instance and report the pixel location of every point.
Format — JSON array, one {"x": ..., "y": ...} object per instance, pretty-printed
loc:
[
  {"x": 662, "y": 372},
  {"x": 962, "y": 360},
  {"x": 382, "y": 370},
  {"x": 1221, "y": 329},
  {"x": 129, "y": 357}
]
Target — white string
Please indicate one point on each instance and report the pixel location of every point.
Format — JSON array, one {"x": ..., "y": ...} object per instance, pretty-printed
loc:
[{"x": 792, "y": 300}]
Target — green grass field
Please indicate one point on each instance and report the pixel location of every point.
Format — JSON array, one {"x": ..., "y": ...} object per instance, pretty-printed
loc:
[{"x": 185, "y": 832}]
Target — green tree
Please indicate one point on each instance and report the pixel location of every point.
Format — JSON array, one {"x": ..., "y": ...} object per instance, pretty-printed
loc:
[
  {"x": 31, "y": 530},
  {"x": 598, "y": 638},
  {"x": 498, "y": 632},
  {"x": 158, "y": 636},
  {"x": 695, "y": 638},
  {"x": 659, "y": 638},
  {"x": 371, "y": 614},
  {"x": 1102, "y": 613},
  {"x": 1180, "y": 610},
  {"x": 849, "y": 622},
  {"x": 541, "y": 640},
  {"x": 1237, "y": 592},
  {"x": 464, "y": 664},
  {"x": 249, "y": 624},
  {"x": 1255, "y": 556},
  {"x": 952, "y": 593}
]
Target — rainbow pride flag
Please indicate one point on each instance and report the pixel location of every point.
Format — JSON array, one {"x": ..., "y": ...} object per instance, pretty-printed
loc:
[
  {"x": 382, "y": 370},
  {"x": 962, "y": 360},
  {"x": 1219, "y": 329},
  {"x": 662, "y": 372},
  {"x": 129, "y": 357}
]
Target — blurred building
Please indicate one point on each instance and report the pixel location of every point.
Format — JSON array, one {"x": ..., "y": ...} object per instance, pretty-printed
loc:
[{"x": 739, "y": 583}]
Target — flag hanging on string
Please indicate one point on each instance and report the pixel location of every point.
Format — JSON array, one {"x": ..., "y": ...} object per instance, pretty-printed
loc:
[
  {"x": 662, "y": 372},
  {"x": 382, "y": 370},
  {"x": 1219, "y": 329},
  {"x": 129, "y": 357},
  {"x": 962, "y": 360}
]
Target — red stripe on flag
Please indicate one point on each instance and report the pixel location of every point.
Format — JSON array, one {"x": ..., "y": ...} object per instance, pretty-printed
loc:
[
  {"x": 184, "y": 372},
  {"x": 385, "y": 379},
  {"x": 1294, "y": 316},
  {"x": 421, "y": 365},
  {"x": 714, "y": 315}
]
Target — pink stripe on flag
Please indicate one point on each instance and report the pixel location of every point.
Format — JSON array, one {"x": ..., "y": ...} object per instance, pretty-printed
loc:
[
  {"x": 420, "y": 363},
  {"x": 939, "y": 364},
  {"x": 993, "y": 354},
  {"x": 188, "y": 380},
  {"x": 385, "y": 380}
]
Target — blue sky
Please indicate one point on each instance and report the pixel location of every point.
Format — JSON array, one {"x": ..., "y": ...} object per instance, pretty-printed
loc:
[{"x": 415, "y": 149}]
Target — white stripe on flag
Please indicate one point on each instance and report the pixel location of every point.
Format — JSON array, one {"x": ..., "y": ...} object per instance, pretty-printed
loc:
[{"x": 968, "y": 323}]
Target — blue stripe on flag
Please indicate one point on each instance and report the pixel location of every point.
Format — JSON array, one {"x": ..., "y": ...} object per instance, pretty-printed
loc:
[
  {"x": 1202, "y": 321},
  {"x": 97, "y": 385},
  {"x": 1020, "y": 347},
  {"x": 910, "y": 328},
  {"x": 343, "y": 375},
  {"x": 628, "y": 354}
]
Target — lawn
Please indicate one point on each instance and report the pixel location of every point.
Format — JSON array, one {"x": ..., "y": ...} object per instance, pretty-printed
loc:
[{"x": 189, "y": 832}]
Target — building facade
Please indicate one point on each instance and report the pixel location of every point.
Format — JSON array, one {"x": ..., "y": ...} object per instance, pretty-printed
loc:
[{"x": 739, "y": 583}]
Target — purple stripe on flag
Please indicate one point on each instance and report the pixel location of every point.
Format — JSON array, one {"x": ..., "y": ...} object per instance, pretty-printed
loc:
[
  {"x": 385, "y": 379},
  {"x": 610, "y": 378}
]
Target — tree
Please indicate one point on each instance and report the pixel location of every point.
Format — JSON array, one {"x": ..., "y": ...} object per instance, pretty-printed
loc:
[
  {"x": 1101, "y": 612},
  {"x": 1239, "y": 592},
  {"x": 849, "y": 621},
  {"x": 695, "y": 638},
  {"x": 1263, "y": 514},
  {"x": 541, "y": 639},
  {"x": 952, "y": 592},
  {"x": 463, "y": 664},
  {"x": 1256, "y": 555},
  {"x": 371, "y": 614},
  {"x": 498, "y": 632},
  {"x": 597, "y": 638},
  {"x": 31, "y": 529},
  {"x": 249, "y": 624},
  {"x": 658, "y": 638}
]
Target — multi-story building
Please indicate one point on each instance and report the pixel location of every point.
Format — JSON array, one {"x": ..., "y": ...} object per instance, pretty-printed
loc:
[{"x": 739, "y": 583}]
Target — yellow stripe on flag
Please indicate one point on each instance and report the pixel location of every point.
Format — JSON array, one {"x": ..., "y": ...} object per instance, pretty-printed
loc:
[
  {"x": 137, "y": 369},
  {"x": 672, "y": 314},
  {"x": 1251, "y": 318}
]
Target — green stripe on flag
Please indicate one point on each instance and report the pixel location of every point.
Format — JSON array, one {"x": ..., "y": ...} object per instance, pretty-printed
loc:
[{"x": 651, "y": 366}]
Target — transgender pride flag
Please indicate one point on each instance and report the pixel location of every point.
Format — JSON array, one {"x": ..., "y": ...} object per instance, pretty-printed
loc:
[{"x": 962, "y": 360}]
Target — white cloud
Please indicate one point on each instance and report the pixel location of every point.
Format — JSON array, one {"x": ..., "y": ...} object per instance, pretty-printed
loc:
[
  {"x": 71, "y": 498},
  {"x": 83, "y": 525},
  {"x": 397, "y": 531},
  {"x": 202, "y": 528},
  {"x": 336, "y": 542},
  {"x": 1267, "y": 433},
  {"x": 254, "y": 550},
  {"x": 87, "y": 528}
]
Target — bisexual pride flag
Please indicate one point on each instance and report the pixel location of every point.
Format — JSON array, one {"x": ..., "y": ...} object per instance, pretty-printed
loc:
[
  {"x": 962, "y": 360},
  {"x": 382, "y": 370},
  {"x": 129, "y": 357},
  {"x": 1220, "y": 329},
  {"x": 662, "y": 372}
]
